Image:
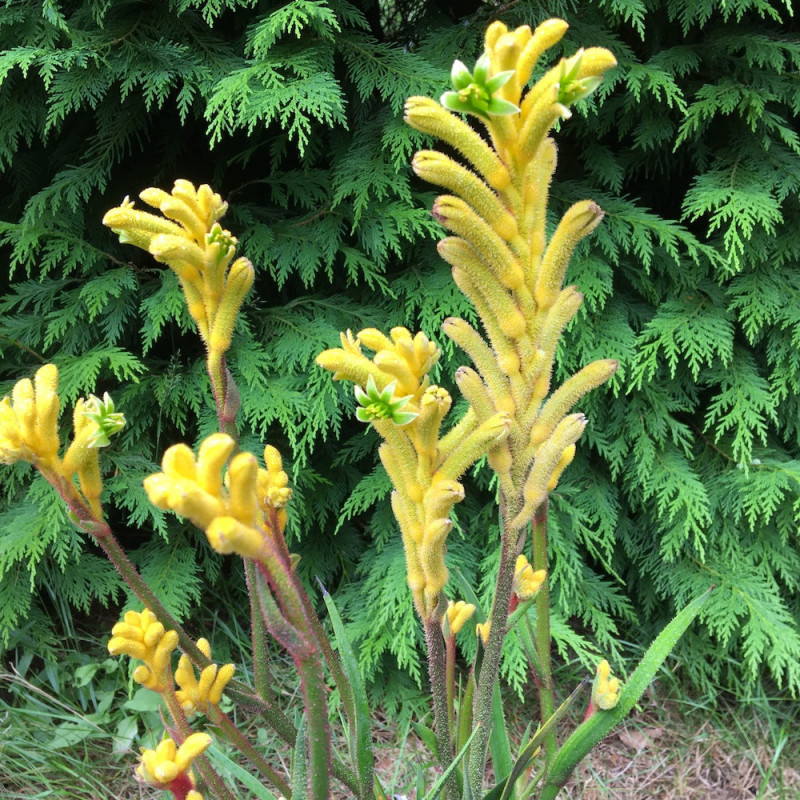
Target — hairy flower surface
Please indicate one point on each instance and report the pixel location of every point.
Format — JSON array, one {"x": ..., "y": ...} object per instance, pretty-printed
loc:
[{"x": 457, "y": 614}]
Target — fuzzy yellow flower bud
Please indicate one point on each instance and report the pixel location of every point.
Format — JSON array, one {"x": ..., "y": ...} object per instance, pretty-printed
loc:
[
  {"x": 527, "y": 582},
  {"x": 482, "y": 630},
  {"x": 605, "y": 690},
  {"x": 457, "y": 614}
]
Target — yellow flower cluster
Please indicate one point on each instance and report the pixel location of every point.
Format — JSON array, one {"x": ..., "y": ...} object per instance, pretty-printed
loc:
[
  {"x": 424, "y": 468},
  {"x": 190, "y": 240},
  {"x": 197, "y": 694},
  {"x": 168, "y": 762},
  {"x": 234, "y": 512},
  {"x": 141, "y": 636},
  {"x": 457, "y": 614},
  {"x": 29, "y": 432},
  {"x": 500, "y": 255},
  {"x": 527, "y": 582},
  {"x": 605, "y": 690}
]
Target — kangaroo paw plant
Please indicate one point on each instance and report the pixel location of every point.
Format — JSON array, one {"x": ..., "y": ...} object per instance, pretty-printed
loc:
[{"x": 502, "y": 259}]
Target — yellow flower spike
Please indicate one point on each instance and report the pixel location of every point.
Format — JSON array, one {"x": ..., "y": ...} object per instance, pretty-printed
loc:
[
  {"x": 563, "y": 463},
  {"x": 482, "y": 631},
  {"x": 460, "y": 218},
  {"x": 426, "y": 115},
  {"x": 577, "y": 223},
  {"x": 243, "y": 476},
  {"x": 537, "y": 124},
  {"x": 546, "y": 35},
  {"x": 211, "y": 458},
  {"x": 457, "y": 614},
  {"x": 240, "y": 280},
  {"x": 567, "y": 395},
  {"x": 527, "y": 582},
  {"x": 227, "y": 535},
  {"x": 547, "y": 458},
  {"x": 605, "y": 690},
  {"x": 486, "y": 435},
  {"x": 437, "y": 168}
]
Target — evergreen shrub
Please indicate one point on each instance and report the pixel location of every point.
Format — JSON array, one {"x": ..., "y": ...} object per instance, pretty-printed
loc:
[{"x": 292, "y": 111}]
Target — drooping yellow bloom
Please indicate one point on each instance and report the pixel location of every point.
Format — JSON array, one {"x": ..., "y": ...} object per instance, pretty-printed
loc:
[
  {"x": 168, "y": 762},
  {"x": 407, "y": 411},
  {"x": 457, "y": 614},
  {"x": 482, "y": 630},
  {"x": 527, "y": 582},
  {"x": 141, "y": 636},
  {"x": 190, "y": 240},
  {"x": 233, "y": 509},
  {"x": 605, "y": 690},
  {"x": 195, "y": 695}
]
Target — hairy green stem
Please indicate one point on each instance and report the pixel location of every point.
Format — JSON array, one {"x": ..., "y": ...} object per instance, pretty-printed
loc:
[
  {"x": 441, "y": 719},
  {"x": 490, "y": 667},
  {"x": 258, "y": 637},
  {"x": 545, "y": 683},
  {"x": 236, "y": 737}
]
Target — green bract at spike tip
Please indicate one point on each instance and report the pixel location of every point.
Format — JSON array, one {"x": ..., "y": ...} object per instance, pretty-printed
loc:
[
  {"x": 475, "y": 91},
  {"x": 380, "y": 405},
  {"x": 108, "y": 422}
]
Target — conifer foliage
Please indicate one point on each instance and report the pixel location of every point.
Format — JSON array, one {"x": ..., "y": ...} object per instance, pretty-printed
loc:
[{"x": 293, "y": 110}]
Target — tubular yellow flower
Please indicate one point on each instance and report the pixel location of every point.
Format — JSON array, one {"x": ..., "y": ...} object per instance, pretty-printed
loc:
[
  {"x": 428, "y": 116},
  {"x": 195, "y": 695},
  {"x": 162, "y": 766},
  {"x": 141, "y": 636},
  {"x": 29, "y": 421},
  {"x": 527, "y": 582},
  {"x": 605, "y": 690},
  {"x": 457, "y": 614}
]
